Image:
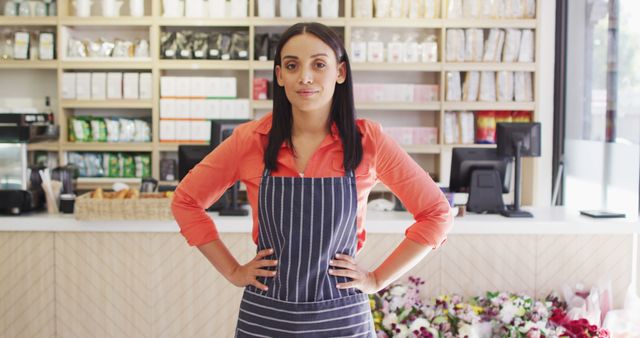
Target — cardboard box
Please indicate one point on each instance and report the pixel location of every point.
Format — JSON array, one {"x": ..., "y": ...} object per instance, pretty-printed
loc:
[
  {"x": 197, "y": 87},
  {"x": 241, "y": 109},
  {"x": 131, "y": 86},
  {"x": 167, "y": 130},
  {"x": 146, "y": 86},
  {"x": 83, "y": 86},
  {"x": 167, "y": 86},
  {"x": 228, "y": 87},
  {"x": 201, "y": 131},
  {"x": 183, "y": 130},
  {"x": 168, "y": 108},
  {"x": 227, "y": 109},
  {"x": 98, "y": 86},
  {"x": 212, "y": 87},
  {"x": 197, "y": 108},
  {"x": 425, "y": 135},
  {"x": 114, "y": 86},
  {"x": 212, "y": 109},
  {"x": 260, "y": 88},
  {"x": 181, "y": 109},
  {"x": 183, "y": 86},
  {"x": 69, "y": 86}
]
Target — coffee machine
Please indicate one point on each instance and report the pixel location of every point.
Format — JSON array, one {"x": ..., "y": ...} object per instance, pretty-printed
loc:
[{"x": 20, "y": 184}]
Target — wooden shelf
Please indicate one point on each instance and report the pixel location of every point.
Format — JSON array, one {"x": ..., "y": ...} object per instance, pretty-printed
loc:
[
  {"x": 172, "y": 147},
  {"x": 43, "y": 146},
  {"x": 28, "y": 64},
  {"x": 28, "y": 21},
  {"x": 107, "y": 146},
  {"x": 107, "y": 104},
  {"x": 393, "y": 22},
  {"x": 262, "y": 104},
  {"x": 471, "y": 145},
  {"x": 105, "y": 182},
  {"x": 204, "y": 22},
  {"x": 489, "y": 105},
  {"x": 107, "y": 63},
  {"x": 204, "y": 64},
  {"x": 421, "y": 67},
  {"x": 490, "y": 66},
  {"x": 286, "y": 22},
  {"x": 489, "y": 23},
  {"x": 106, "y": 21},
  {"x": 421, "y": 148},
  {"x": 262, "y": 65},
  {"x": 432, "y": 106}
]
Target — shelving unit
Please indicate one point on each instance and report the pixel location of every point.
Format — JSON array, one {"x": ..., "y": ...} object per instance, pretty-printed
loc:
[{"x": 426, "y": 114}]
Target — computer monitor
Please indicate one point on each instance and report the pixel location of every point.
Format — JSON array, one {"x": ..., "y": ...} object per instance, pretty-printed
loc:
[
  {"x": 518, "y": 140},
  {"x": 483, "y": 174},
  {"x": 509, "y": 134},
  {"x": 189, "y": 155}
]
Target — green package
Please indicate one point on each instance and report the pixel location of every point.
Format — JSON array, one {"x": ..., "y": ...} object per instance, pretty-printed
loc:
[
  {"x": 143, "y": 165},
  {"x": 98, "y": 130},
  {"x": 127, "y": 165},
  {"x": 79, "y": 130}
]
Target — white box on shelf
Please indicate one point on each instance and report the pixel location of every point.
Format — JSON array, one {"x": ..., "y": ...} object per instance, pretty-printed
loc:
[
  {"x": 182, "y": 109},
  {"x": 227, "y": 109},
  {"x": 167, "y": 130},
  {"x": 197, "y": 108},
  {"x": 212, "y": 87},
  {"x": 83, "y": 86},
  {"x": 146, "y": 86},
  {"x": 114, "y": 86},
  {"x": 182, "y": 86},
  {"x": 183, "y": 130},
  {"x": 69, "y": 86},
  {"x": 98, "y": 86},
  {"x": 228, "y": 87},
  {"x": 167, "y": 86},
  {"x": 131, "y": 85},
  {"x": 168, "y": 108},
  {"x": 200, "y": 130},
  {"x": 212, "y": 109},
  {"x": 239, "y": 8},
  {"x": 241, "y": 109},
  {"x": 197, "y": 87}
]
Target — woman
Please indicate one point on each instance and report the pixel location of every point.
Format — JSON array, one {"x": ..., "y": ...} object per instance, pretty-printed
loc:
[{"x": 308, "y": 168}]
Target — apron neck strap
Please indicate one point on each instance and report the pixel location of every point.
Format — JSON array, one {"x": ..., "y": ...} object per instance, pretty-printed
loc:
[{"x": 267, "y": 172}]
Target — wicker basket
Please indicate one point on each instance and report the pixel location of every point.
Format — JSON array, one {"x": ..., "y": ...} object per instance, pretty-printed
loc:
[{"x": 89, "y": 209}]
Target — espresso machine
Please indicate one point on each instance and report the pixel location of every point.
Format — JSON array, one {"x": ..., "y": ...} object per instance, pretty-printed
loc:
[{"x": 20, "y": 184}]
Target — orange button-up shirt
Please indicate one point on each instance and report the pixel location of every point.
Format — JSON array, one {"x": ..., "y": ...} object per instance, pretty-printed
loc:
[{"x": 240, "y": 157}]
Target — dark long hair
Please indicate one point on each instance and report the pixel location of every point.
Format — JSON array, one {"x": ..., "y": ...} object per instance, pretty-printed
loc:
[{"x": 342, "y": 108}]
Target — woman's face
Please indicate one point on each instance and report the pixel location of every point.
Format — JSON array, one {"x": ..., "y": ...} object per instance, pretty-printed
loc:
[{"x": 309, "y": 73}]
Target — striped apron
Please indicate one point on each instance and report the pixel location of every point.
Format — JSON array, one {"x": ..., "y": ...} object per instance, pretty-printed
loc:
[{"x": 306, "y": 221}]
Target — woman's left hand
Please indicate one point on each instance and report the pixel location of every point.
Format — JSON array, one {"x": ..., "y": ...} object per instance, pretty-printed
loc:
[{"x": 361, "y": 279}]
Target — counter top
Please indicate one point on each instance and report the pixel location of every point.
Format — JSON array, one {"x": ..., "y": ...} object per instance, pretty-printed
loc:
[{"x": 550, "y": 220}]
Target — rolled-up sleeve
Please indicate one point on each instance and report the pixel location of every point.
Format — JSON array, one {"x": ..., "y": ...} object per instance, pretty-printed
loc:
[
  {"x": 420, "y": 195},
  {"x": 203, "y": 186}
]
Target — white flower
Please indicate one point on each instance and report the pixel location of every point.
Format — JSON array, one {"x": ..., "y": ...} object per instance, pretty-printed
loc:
[
  {"x": 402, "y": 331},
  {"x": 418, "y": 323},
  {"x": 388, "y": 320},
  {"x": 507, "y": 312},
  {"x": 398, "y": 291},
  {"x": 465, "y": 331},
  {"x": 396, "y": 303}
]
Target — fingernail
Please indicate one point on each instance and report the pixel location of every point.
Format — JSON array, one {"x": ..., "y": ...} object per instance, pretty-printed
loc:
[
  {"x": 338, "y": 255},
  {"x": 270, "y": 250},
  {"x": 265, "y": 289},
  {"x": 338, "y": 286},
  {"x": 331, "y": 261},
  {"x": 330, "y": 270},
  {"x": 273, "y": 273}
]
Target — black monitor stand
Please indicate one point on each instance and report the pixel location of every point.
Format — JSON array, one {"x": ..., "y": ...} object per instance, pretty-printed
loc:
[
  {"x": 234, "y": 209},
  {"x": 485, "y": 191},
  {"x": 515, "y": 211}
]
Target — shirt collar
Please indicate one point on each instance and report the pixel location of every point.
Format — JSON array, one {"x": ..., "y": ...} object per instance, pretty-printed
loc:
[{"x": 264, "y": 127}]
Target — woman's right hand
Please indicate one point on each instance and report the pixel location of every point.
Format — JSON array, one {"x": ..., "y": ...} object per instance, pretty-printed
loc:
[{"x": 246, "y": 274}]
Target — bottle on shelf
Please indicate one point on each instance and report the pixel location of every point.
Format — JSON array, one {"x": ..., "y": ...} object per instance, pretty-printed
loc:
[
  {"x": 375, "y": 48},
  {"x": 358, "y": 47}
]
